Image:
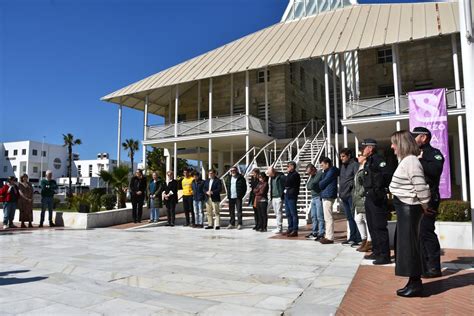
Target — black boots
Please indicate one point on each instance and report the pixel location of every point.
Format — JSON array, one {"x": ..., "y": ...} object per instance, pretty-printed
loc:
[{"x": 414, "y": 288}]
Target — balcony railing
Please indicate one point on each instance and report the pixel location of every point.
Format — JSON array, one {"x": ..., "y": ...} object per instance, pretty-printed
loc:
[
  {"x": 219, "y": 125},
  {"x": 380, "y": 106}
]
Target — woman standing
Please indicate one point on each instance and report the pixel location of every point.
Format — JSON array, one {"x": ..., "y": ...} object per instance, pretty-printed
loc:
[
  {"x": 10, "y": 196},
  {"x": 253, "y": 184},
  {"x": 25, "y": 202},
  {"x": 260, "y": 202},
  {"x": 411, "y": 197},
  {"x": 155, "y": 189},
  {"x": 358, "y": 206},
  {"x": 170, "y": 195}
]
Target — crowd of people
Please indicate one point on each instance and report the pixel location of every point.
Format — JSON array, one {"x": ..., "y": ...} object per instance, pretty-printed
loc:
[{"x": 363, "y": 185}]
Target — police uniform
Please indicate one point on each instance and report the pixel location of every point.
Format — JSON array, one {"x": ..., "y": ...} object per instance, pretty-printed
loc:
[
  {"x": 376, "y": 181},
  {"x": 432, "y": 161}
]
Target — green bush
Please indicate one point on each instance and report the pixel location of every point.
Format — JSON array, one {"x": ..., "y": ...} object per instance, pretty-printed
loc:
[
  {"x": 56, "y": 202},
  {"x": 454, "y": 211},
  {"x": 95, "y": 199},
  {"x": 108, "y": 201},
  {"x": 80, "y": 199}
]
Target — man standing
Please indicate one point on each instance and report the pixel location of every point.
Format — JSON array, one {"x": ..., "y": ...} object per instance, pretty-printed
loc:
[
  {"x": 317, "y": 216},
  {"x": 48, "y": 189},
  {"x": 432, "y": 161},
  {"x": 212, "y": 189},
  {"x": 277, "y": 188},
  {"x": 349, "y": 168},
  {"x": 376, "y": 181},
  {"x": 236, "y": 189},
  {"x": 292, "y": 190},
  {"x": 186, "y": 184},
  {"x": 138, "y": 192},
  {"x": 170, "y": 196},
  {"x": 328, "y": 187}
]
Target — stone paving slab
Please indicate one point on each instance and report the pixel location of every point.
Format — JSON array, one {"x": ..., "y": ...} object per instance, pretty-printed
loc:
[{"x": 170, "y": 271}]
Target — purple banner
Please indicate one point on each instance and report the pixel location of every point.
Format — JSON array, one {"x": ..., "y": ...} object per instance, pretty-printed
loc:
[{"x": 428, "y": 109}]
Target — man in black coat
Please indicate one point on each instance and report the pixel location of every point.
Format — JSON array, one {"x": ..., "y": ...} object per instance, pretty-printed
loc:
[
  {"x": 292, "y": 190},
  {"x": 138, "y": 193},
  {"x": 432, "y": 161}
]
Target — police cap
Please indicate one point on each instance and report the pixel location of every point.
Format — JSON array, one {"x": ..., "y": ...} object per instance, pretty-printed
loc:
[
  {"x": 369, "y": 142},
  {"x": 421, "y": 131}
]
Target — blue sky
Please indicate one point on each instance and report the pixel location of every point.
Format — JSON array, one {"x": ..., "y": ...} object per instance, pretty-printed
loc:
[{"x": 58, "y": 57}]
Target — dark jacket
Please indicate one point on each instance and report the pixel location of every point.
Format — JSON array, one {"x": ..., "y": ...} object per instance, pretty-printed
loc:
[
  {"x": 241, "y": 186},
  {"x": 346, "y": 178},
  {"x": 358, "y": 196},
  {"x": 172, "y": 186},
  {"x": 313, "y": 184},
  {"x": 277, "y": 190},
  {"x": 377, "y": 178},
  {"x": 11, "y": 196},
  {"x": 292, "y": 185},
  {"x": 253, "y": 184},
  {"x": 198, "y": 190},
  {"x": 216, "y": 189},
  {"x": 136, "y": 185},
  {"x": 432, "y": 161},
  {"x": 328, "y": 183},
  {"x": 261, "y": 192},
  {"x": 156, "y": 189}
]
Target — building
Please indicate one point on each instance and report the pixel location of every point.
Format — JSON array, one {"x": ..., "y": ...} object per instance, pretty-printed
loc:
[
  {"x": 33, "y": 158},
  {"x": 351, "y": 65}
]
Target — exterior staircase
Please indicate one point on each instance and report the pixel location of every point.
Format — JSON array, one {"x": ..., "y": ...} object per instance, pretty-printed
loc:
[{"x": 307, "y": 147}]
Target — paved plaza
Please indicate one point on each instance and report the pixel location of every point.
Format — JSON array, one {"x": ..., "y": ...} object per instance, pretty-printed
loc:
[{"x": 170, "y": 271}]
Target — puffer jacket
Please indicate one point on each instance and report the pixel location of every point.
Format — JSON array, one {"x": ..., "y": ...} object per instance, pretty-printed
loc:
[
  {"x": 328, "y": 183},
  {"x": 358, "y": 192}
]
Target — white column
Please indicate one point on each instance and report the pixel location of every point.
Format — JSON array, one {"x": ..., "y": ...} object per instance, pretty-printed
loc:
[
  {"x": 145, "y": 127},
  {"x": 467, "y": 53},
  {"x": 199, "y": 100},
  {"x": 396, "y": 83},
  {"x": 176, "y": 104},
  {"x": 336, "y": 119},
  {"x": 353, "y": 76},
  {"x": 247, "y": 113},
  {"x": 210, "y": 125},
  {"x": 231, "y": 94},
  {"x": 328, "y": 111},
  {"x": 167, "y": 154},
  {"x": 342, "y": 64},
  {"x": 457, "y": 86},
  {"x": 209, "y": 157},
  {"x": 119, "y": 137},
  {"x": 356, "y": 145},
  {"x": 266, "y": 98},
  {"x": 175, "y": 159}
]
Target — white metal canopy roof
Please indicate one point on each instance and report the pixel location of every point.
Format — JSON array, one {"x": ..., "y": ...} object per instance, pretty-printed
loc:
[{"x": 350, "y": 28}]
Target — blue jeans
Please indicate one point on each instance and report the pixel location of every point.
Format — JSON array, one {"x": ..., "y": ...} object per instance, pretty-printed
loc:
[
  {"x": 47, "y": 202},
  {"x": 317, "y": 216},
  {"x": 154, "y": 211},
  {"x": 291, "y": 214},
  {"x": 198, "y": 215},
  {"x": 355, "y": 235},
  {"x": 8, "y": 212}
]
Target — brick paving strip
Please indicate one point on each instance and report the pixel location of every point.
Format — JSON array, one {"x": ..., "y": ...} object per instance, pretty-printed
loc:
[{"x": 372, "y": 291}]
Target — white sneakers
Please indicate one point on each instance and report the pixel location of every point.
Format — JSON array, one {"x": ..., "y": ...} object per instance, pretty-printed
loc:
[
  {"x": 230, "y": 226},
  {"x": 239, "y": 227},
  {"x": 5, "y": 226}
]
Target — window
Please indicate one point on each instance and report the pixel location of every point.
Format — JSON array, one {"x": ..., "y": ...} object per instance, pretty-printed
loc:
[
  {"x": 386, "y": 90},
  {"x": 23, "y": 152},
  {"x": 181, "y": 118},
  {"x": 44, "y": 153},
  {"x": 261, "y": 76},
  {"x": 23, "y": 169},
  {"x": 384, "y": 55},
  {"x": 35, "y": 169},
  {"x": 5, "y": 168},
  {"x": 14, "y": 168},
  {"x": 15, "y": 152},
  {"x": 79, "y": 169},
  {"x": 315, "y": 89},
  {"x": 261, "y": 111},
  {"x": 292, "y": 72},
  {"x": 90, "y": 170},
  {"x": 239, "y": 109},
  {"x": 57, "y": 163},
  {"x": 6, "y": 153},
  {"x": 302, "y": 79},
  {"x": 35, "y": 152}
]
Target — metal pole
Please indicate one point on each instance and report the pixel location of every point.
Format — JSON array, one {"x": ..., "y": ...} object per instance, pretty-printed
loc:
[
  {"x": 467, "y": 53},
  {"x": 145, "y": 128},
  {"x": 336, "y": 119},
  {"x": 356, "y": 145},
  {"x": 247, "y": 111},
  {"x": 175, "y": 159},
  {"x": 199, "y": 100},
  {"x": 119, "y": 135},
  {"x": 231, "y": 94},
  {"x": 176, "y": 105},
  {"x": 328, "y": 111},
  {"x": 210, "y": 105},
  {"x": 396, "y": 83},
  {"x": 342, "y": 64},
  {"x": 210, "y": 153},
  {"x": 457, "y": 88},
  {"x": 265, "y": 77}
]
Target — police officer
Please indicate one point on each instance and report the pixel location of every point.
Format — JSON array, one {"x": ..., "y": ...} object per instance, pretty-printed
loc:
[
  {"x": 432, "y": 161},
  {"x": 377, "y": 178}
]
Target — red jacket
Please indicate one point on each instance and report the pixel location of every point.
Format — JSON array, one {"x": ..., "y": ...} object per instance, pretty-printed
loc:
[{"x": 6, "y": 196}]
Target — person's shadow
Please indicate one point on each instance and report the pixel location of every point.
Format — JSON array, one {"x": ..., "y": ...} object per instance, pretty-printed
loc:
[{"x": 12, "y": 280}]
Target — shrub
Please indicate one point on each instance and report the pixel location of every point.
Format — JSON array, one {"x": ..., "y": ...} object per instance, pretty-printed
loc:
[
  {"x": 454, "y": 211},
  {"x": 79, "y": 200},
  {"x": 95, "y": 199},
  {"x": 56, "y": 202},
  {"x": 108, "y": 201}
]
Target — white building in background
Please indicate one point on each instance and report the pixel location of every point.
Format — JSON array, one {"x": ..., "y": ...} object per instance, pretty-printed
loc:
[{"x": 32, "y": 158}]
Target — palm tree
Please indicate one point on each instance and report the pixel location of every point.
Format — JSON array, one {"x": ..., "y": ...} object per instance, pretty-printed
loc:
[
  {"x": 118, "y": 179},
  {"x": 69, "y": 141},
  {"x": 132, "y": 146}
]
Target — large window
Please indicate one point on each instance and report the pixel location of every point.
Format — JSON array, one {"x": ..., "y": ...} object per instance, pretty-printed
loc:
[
  {"x": 15, "y": 152},
  {"x": 57, "y": 163},
  {"x": 23, "y": 152},
  {"x": 261, "y": 76},
  {"x": 34, "y": 152},
  {"x": 44, "y": 153},
  {"x": 35, "y": 169},
  {"x": 90, "y": 170},
  {"x": 384, "y": 55},
  {"x": 261, "y": 111}
]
